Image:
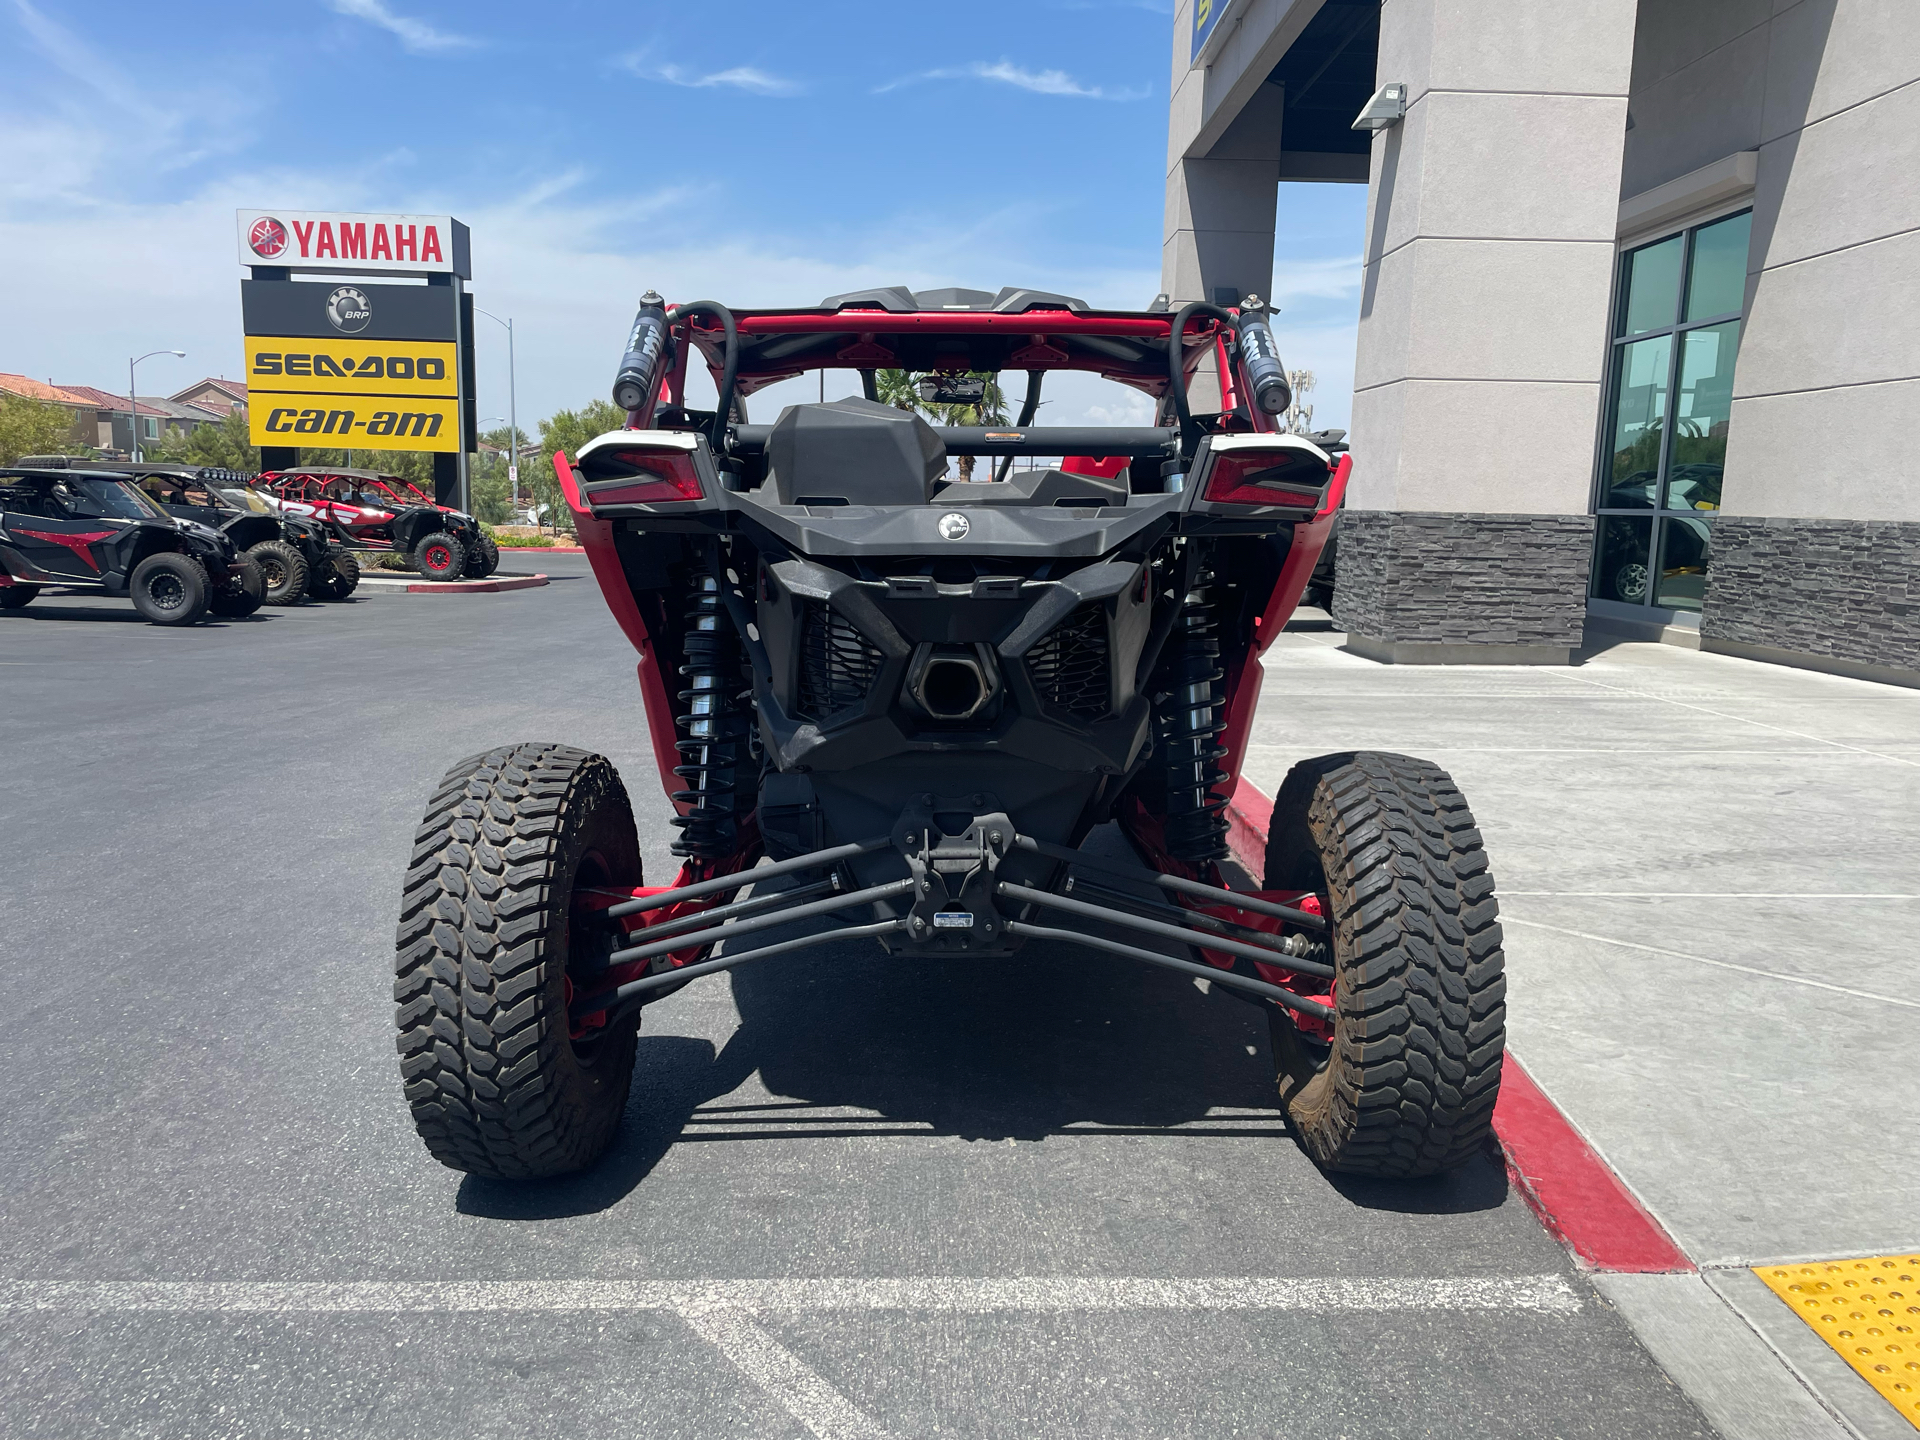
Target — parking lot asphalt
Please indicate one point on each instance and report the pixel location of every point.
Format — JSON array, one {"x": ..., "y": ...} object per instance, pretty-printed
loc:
[{"x": 1050, "y": 1195}]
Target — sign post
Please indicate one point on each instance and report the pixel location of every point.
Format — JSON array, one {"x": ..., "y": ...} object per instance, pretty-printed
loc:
[{"x": 368, "y": 366}]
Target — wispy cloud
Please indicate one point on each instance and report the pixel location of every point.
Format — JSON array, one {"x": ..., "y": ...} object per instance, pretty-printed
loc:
[
  {"x": 417, "y": 35},
  {"x": 741, "y": 77},
  {"x": 1005, "y": 72}
]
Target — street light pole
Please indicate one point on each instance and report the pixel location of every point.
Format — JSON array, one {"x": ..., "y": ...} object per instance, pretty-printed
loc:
[
  {"x": 513, "y": 414},
  {"x": 133, "y": 397}
]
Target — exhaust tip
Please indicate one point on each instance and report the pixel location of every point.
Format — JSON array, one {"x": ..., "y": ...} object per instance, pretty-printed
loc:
[{"x": 952, "y": 685}]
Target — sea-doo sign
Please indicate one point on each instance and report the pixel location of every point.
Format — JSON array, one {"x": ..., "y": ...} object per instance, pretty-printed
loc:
[{"x": 335, "y": 243}]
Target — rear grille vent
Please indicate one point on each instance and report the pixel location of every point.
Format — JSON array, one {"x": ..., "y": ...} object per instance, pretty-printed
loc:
[
  {"x": 1070, "y": 667},
  {"x": 838, "y": 664}
]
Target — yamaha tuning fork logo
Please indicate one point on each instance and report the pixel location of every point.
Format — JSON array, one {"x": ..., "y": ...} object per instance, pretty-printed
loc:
[
  {"x": 348, "y": 310},
  {"x": 267, "y": 238}
]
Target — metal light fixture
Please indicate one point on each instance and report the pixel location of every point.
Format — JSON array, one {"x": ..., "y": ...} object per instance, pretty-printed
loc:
[{"x": 1387, "y": 108}]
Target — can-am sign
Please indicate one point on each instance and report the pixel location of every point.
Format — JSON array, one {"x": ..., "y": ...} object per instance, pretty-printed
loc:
[{"x": 332, "y": 242}]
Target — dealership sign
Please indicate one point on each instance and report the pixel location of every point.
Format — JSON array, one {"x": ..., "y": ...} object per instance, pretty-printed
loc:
[
  {"x": 336, "y": 243},
  {"x": 1208, "y": 32},
  {"x": 374, "y": 367}
]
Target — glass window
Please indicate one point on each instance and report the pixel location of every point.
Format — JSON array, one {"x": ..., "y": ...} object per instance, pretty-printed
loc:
[
  {"x": 1717, "y": 283},
  {"x": 1650, "y": 286},
  {"x": 1670, "y": 399},
  {"x": 1620, "y": 571},
  {"x": 1640, "y": 376},
  {"x": 1683, "y": 563},
  {"x": 1700, "y": 413}
]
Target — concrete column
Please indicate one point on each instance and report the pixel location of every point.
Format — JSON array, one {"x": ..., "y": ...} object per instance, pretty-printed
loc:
[
  {"x": 1220, "y": 210},
  {"x": 1483, "y": 329},
  {"x": 1221, "y": 191}
]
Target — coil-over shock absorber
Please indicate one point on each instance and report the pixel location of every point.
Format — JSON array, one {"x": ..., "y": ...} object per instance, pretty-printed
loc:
[
  {"x": 1190, "y": 725},
  {"x": 719, "y": 768}
]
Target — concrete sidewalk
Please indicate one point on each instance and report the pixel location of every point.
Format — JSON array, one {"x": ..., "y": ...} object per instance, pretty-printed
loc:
[{"x": 1709, "y": 873}]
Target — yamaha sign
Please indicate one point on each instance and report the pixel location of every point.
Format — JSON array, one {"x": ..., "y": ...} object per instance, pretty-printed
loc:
[{"x": 331, "y": 242}]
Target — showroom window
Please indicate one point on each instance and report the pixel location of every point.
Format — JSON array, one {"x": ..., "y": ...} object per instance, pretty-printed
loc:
[{"x": 1676, "y": 328}]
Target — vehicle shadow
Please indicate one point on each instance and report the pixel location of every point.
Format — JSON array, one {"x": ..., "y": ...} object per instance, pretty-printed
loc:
[
  {"x": 125, "y": 615},
  {"x": 1054, "y": 1044}
]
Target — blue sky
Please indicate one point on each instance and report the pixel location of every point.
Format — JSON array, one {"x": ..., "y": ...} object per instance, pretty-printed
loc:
[{"x": 758, "y": 153}]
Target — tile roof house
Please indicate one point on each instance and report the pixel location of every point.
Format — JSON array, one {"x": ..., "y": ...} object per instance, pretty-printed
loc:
[
  {"x": 217, "y": 395},
  {"x": 109, "y": 414},
  {"x": 86, "y": 414}
]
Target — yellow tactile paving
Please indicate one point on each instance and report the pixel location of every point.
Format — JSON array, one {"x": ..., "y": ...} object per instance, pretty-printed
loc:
[{"x": 1869, "y": 1311}]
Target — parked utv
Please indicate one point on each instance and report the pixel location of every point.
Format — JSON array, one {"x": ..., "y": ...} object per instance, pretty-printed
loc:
[
  {"x": 366, "y": 510},
  {"x": 296, "y": 556},
  {"x": 895, "y": 706},
  {"x": 88, "y": 530}
]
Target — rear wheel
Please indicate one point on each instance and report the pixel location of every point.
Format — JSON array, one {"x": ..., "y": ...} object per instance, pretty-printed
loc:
[
  {"x": 169, "y": 589},
  {"x": 336, "y": 577},
  {"x": 239, "y": 594},
  {"x": 283, "y": 568},
  {"x": 440, "y": 556},
  {"x": 1407, "y": 1085},
  {"x": 485, "y": 558},
  {"x": 490, "y": 936},
  {"x": 17, "y": 597}
]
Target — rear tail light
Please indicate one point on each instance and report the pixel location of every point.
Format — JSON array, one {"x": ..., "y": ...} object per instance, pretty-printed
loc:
[
  {"x": 1292, "y": 478},
  {"x": 643, "y": 477}
]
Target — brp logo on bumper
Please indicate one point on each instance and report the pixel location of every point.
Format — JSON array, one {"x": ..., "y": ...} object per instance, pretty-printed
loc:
[
  {"x": 954, "y": 527},
  {"x": 267, "y": 238}
]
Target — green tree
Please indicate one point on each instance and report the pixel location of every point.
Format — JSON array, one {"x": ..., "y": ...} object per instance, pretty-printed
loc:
[
  {"x": 225, "y": 444},
  {"x": 901, "y": 389},
  {"x": 566, "y": 430},
  {"x": 33, "y": 427}
]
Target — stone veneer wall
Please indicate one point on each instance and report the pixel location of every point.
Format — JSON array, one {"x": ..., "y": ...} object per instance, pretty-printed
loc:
[
  {"x": 1439, "y": 578},
  {"x": 1843, "y": 589}
]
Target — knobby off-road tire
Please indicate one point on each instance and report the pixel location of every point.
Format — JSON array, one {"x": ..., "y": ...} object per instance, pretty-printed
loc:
[
  {"x": 336, "y": 578},
  {"x": 487, "y": 934},
  {"x": 17, "y": 597},
  {"x": 484, "y": 558},
  {"x": 283, "y": 568},
  {"x": 1408, "y": 1084},
  {"x": 238, "y": 596},
  {"x": 440, "y": 556},
  {"x": 169, "y": 588}
]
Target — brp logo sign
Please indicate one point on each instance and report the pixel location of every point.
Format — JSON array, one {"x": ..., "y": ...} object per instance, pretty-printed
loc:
[
  {"x": 348, "y": 310},
  {"x": 267, "y": 238},
  {"x": 954, "y": 527}
]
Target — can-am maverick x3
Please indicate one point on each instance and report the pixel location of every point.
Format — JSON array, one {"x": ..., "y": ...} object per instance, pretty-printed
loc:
[{"x": 914, "y": 698}]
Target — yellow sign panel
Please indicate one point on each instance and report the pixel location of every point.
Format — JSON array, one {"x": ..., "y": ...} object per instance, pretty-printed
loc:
[
  {"x": 352, "y": 367},
  {"x": 354, "y": 422}
]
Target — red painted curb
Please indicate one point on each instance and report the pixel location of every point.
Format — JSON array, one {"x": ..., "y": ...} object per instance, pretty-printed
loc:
[
  {"x": 1575, "y": 1193},
  {"x": 543, "y": 549},
  {"x": 475, "y": 587}
]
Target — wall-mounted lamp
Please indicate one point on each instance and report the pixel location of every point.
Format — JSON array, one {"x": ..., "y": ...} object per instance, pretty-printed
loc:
[{"x": 1388, "y": 107}]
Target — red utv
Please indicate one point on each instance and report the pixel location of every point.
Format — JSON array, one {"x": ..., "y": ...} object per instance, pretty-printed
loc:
[
  {"x": 366, "y": 510},
  {"x": 891, "y": 705}
]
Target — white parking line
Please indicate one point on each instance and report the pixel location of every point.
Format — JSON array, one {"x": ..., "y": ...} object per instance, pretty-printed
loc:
[
  {"x": 782, "y": 1374},
  {"x": 1506, "y": 919},
  {"x": 1543, "y": 1294},
  {"x": 723, "y": 1312}
]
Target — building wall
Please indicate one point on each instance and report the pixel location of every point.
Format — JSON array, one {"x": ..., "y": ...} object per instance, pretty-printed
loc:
[
  {"x": 1813, "y": 553},
  {"x": 1827, "y": 389},
  {"x": 1488, "y": 262}
]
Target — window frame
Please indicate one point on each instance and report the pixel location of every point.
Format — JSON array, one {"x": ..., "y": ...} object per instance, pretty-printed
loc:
[{"x": 1675, "y": 332}]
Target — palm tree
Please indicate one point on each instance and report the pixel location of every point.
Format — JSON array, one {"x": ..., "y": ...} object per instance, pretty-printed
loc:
[{"x": 901, "y": 388}]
